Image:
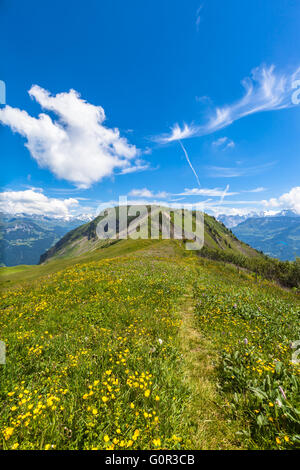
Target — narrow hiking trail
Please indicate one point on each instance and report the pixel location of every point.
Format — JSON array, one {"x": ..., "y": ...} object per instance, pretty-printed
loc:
[{"x": 210, "y": 427}]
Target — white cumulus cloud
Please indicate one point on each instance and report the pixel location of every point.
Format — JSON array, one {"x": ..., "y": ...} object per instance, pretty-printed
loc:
[
  {"x": 35, "y": 203},
  {"x": 76, "y": 146},
  {"x": 290, "y": 200}
]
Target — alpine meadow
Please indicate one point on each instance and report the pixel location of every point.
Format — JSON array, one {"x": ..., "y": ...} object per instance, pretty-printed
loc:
[
  {"x": 140, "y": 344},
  {"x": 149, "y": 230}
]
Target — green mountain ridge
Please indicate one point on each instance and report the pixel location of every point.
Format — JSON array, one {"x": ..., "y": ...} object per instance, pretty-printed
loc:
[
  {"x": 84, "y": 239},
  {"x": 82, "y": 245}
]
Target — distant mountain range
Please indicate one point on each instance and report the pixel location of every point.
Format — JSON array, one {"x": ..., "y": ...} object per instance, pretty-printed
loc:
[
  {"x": 24, "y": 238},
  {"x": 233, "y": 220},
  {"x": 277, "y": 235}
]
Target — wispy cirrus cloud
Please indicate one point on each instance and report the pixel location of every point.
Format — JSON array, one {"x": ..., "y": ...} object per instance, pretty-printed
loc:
[
  {"x": 260, "y": 189},
  {"x": 203, "y": 99},
  {"x": 76, "y": 146},
  {"x": 198, "y": 17},
  {"x": 209, "y": 192},
  {"x": 223, "y": 143},
  {"x": 234, "y": 172},
  {"x": 194, "y": 192},
  {"x": 265, "y": 90},
  {"x": 178, "y": 133},
  {"x": 139, "y": 165},
  {"x": 213, "y": 192}
]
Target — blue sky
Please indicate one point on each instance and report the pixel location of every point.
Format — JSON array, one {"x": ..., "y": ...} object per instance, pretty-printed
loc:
[{"x": 174, "y": 101}]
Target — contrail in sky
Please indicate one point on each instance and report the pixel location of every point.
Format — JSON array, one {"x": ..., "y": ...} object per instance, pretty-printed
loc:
[
  {"x": 224, "y": 194},
  {"x": 189, "y": 162}
]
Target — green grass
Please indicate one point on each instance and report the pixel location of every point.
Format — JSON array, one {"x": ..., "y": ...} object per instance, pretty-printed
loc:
[
  {"x": 140, "y": 346},
  {"x": 252, "y": 327},
  {"x": 210, "y": 426},
  {"x": 93, "y": 359},
  {"x": 5, "y": 271},
  {"x": 19, "y": 275}
]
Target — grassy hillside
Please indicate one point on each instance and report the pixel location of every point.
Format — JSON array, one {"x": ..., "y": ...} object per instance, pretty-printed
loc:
[
  {"x": 219, "y": 244},
  {"x": 146, "y": 349},
  {"x": 18, "y": 275},
  {"x": 253, "y": 327},
  {"x": 84, "y": 239}
]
